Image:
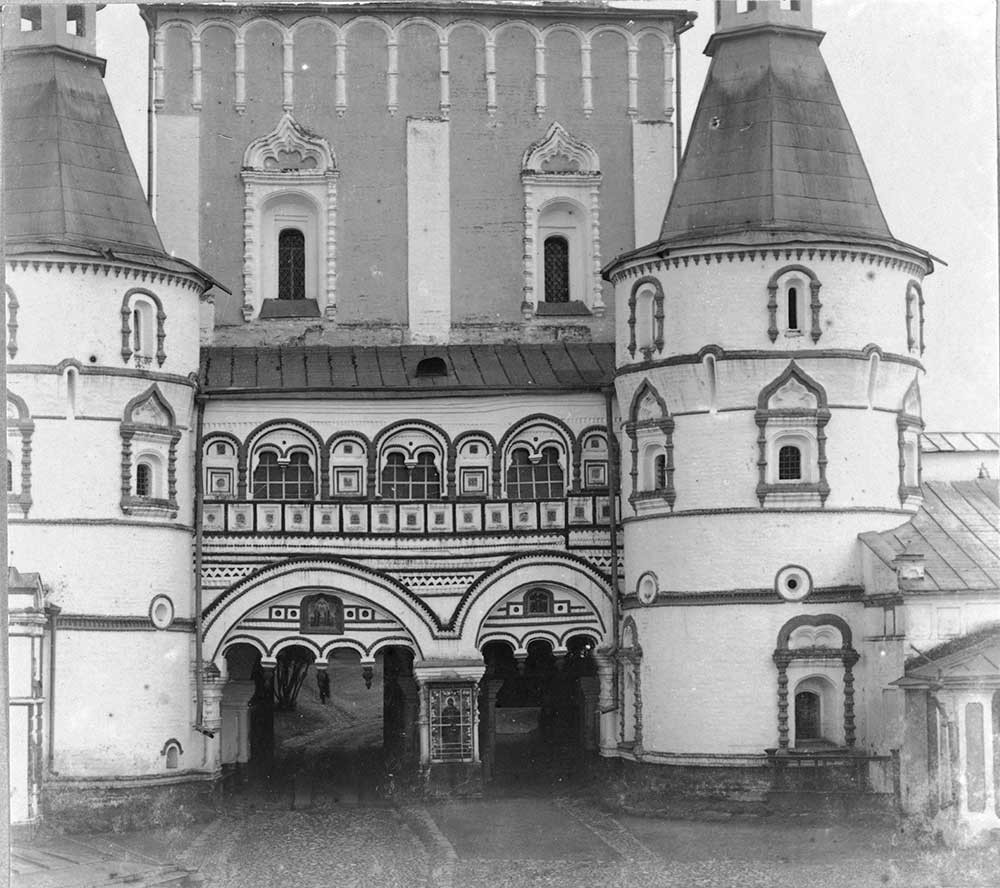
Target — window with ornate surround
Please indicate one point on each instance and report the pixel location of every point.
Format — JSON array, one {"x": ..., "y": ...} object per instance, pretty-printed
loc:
[
  {"x": 20, "y": 428},
  {"x": 792, "y": 413},
  {"x": 909, "y": 426},
  {"x": 411, "y": 460},
  {"x": 143, "y": 332},
  {"x": 914, "y": 318},
  {"x": 348, "y": 466},
  {"x": 645, "y": 318},
  {"x": 650, "y": 428},
  {"x": 787, "y": 308},
  {"x": 536, "y": 460},
  {"x": 283, "y": 463},
  {"x": 562, "y": 243},
  {"x": 149, "y": 437},
  {"x": 474, "y": 464},
  {"x": 290, "y": 190}
]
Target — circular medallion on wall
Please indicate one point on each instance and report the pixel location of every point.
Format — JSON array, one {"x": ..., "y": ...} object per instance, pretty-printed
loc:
[
  {"x": 161, "y": 611},
  {"x": 647, "y": 588},
  {"x": 793, "y": 583}
]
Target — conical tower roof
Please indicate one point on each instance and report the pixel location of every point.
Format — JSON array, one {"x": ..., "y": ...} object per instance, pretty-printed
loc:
[
  {"x": 70, "y": 186},
  {"x": 770, "y": 148},
  {"x": 68, "y": 176}
]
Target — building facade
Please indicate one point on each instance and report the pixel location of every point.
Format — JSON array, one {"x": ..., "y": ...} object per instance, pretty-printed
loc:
[{"x": 479, "y": 425}]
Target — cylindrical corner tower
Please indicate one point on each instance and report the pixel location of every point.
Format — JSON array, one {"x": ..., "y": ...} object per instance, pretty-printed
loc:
[
  {"x": 768, "y": 353},
  {"x": 102, "y": 347}
]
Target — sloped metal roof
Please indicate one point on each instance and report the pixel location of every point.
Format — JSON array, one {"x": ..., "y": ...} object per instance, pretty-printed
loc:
[
  {"x": 68, "y": 175},
  {"x": 957, "y": 530},
  {"x": 387, "y": 371},
  {"x": 770, "y": 147},
  {"x": 959, "y": 442}
]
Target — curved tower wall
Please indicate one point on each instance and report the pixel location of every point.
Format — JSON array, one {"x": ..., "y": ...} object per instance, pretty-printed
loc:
[
  {"x": 107, "y": 555},
  {"x": 714, "y": 549}
]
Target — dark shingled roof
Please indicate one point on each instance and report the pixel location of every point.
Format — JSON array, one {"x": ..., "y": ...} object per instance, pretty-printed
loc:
[
  {"x": 770, "y": 147},
  {"x": 957, "y": 530},
  {"x": 386, "y": 371},
  {"x": 68, "y": 175}
]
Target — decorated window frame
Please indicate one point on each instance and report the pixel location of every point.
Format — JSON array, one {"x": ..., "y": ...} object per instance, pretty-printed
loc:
[
  {"x": 348, "y": 454},
  {"x": 535, "y": 435},
  {"x": 220, "y": 464},
  {"x": 645, "y": 318},
  {"x": 20, "y": 428},
  {"x": 650, "y": 429},
  {"x": 787, "y": 286},
  {"x": 474, "y": 464},
  {"x": 12, "y": 325},
  {"x": 909, "y": 427},
  {"x": 792, "y": 410},
  {"x": 561, "y": 178},
  {"x": 593, "y": 457},
  {"x": 143, "y": 320},
  {"x": 149, "y": 430},
  {"x": 289, "y": 182},
  {"x": 414, "y": 442},
  {"x": 914, "y": 318}
]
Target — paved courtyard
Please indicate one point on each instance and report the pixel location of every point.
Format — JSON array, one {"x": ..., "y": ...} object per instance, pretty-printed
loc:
[{"x": 516, "y": 842}]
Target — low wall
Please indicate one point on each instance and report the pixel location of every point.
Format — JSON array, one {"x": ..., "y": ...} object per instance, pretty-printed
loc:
[{"x": 120, "y": 805}]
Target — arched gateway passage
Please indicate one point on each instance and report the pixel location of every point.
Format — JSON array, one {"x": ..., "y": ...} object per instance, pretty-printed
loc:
[{"x": 330, "y": 668}]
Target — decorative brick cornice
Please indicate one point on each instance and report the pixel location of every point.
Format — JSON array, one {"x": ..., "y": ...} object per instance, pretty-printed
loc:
[
  {"x": 751, "y": 254},
  {"x": 79, "y": 267}
]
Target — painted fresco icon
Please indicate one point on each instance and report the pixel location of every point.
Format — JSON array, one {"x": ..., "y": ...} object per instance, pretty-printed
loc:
[{"x": 321, "y": 614}]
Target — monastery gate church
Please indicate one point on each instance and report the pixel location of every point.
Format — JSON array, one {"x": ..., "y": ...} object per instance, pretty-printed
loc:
[{"x": 430, "y": 418}]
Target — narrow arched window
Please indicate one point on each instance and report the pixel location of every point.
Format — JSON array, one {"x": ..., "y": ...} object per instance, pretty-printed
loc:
[
  {"x": 556, "y": 269},
  {"x": 172, "y": 757},
  {"x": 137, "y": 339},
  {"x": 789, "y": 463},
  {"x": 660, "y": 472},
  {"x": 143, "y": 479},
  {"x": 541, "y": 478},
  {"x": 10, "y": 477},
  {"x": 793, "y": 308},
  {"x": 291, "y": 264}
]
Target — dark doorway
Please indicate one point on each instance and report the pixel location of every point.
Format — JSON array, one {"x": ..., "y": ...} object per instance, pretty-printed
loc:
[
  {"x": 330, "y": 729},
  {"x": 535, "y": 712}
]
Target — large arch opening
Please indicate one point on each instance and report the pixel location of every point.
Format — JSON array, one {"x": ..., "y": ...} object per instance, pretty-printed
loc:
[
  {"x": 329, "y": 725},
  {"x": 538, "y": 710}
]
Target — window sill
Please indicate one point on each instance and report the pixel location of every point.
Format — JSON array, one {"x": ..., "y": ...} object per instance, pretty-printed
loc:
[
  {"x": 17, "y": 502},
  {"x": 572, "y": 309},
  {"x": 793, "y": 494},
  {"x": 275, "y": 309}
]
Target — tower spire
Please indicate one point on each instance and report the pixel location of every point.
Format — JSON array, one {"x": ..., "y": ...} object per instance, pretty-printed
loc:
[{"x": 770, "y": 148}]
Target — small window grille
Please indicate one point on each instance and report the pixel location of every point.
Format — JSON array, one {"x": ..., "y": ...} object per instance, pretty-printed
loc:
[
  {"x": 807, "y": 716},
  {"x": 556, "y": 269},
  {"x": 542, "y": 479},
  {"x": 660, "y": 472},
  {"x": 789, "y": 463},
  {"x": 402, "y": 482},
  {"x": 291, "y": 264},
  {"x": 292, "y": 481},
  {"x": 143, "y": 480}
]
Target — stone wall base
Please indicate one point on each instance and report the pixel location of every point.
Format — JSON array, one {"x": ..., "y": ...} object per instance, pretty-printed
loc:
[
  {"x": 675, "y": 790},
  {"x": 121, "y": 805}
]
